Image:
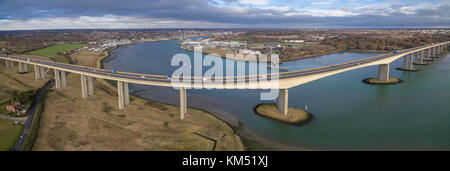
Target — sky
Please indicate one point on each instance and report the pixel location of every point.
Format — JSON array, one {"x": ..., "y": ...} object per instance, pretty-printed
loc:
[{"x": 121, "y": 14}]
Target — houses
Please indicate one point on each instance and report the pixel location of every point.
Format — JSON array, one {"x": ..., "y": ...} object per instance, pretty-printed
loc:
[
  {"x": 247, "y": 51},
  {"x": 18, "y": 108},
  {"x": 294, "y": 41}
]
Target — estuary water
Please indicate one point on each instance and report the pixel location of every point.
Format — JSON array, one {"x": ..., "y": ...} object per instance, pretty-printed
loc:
[{"x": 349, "y": 115}]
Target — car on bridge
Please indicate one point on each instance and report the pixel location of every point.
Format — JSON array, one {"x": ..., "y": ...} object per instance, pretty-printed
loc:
[{"x": 396, "y": 52}]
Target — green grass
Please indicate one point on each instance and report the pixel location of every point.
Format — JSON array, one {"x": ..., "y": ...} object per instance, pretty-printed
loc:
[
  {"x": 52, "y": 51},
  {"x": 9, "y": 133}
]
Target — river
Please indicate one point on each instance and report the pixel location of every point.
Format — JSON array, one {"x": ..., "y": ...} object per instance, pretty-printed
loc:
[{"x": 349, "y": 115}]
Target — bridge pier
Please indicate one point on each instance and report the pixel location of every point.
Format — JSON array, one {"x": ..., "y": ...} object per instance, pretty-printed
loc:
[
  {"x": 420, "y": 58},
  {"x": 123, "y": 94},
  {"x": 417, "y": 57},
  {"x": 428, "y": 55},
  {"x": 42, "y": 70},
  {"x": 434, "y": 52},
  {"x": 183, "y": 102},
  {"x": 405, "y": 61},
  {"x": 57, "y": 78},
  {"x": 126, "y": 92},
  {"x": 383, "y": 77},
  {"x": 63, "y": 78},
  {"x": 25, "y": 67},
  {"x": 90, "y": 85},
  {"x": 439, "y": 51},
  {"x": 383, "y": 72},
  {"x": 20, "y": 67},
  {"x": 408, "y": 63},
  {"x": 7, "y": 64},
  {"x": 84, "y": 93},
  {"x": 60, "y": 78},
  {"x": 37, "y": 74},
  {"x": 283, "y": 98}
]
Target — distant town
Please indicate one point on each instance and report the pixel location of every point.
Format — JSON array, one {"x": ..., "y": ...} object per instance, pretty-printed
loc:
[{"x": 290, "y": 44}]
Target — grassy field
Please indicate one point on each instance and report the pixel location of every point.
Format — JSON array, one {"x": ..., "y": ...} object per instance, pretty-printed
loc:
[
  {"x": 52, "y": 51},
  {"x": 9, "y": 133},
  {"x": 12, "y": 81}
]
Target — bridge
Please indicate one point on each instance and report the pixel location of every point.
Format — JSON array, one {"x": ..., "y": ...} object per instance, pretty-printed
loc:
[{"x": 284, "y": 80}]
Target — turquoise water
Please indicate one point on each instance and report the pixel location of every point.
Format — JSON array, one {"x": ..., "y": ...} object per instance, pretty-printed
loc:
[{"x": 349, "y": 115}]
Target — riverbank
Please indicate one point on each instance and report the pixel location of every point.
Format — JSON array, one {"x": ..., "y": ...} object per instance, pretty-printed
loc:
[{"x": 223, "y": 54}]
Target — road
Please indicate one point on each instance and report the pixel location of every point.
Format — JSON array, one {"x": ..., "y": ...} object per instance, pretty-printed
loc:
[
  {"x": 27, "y": 126},
  {"x": 167, "y": 79}
]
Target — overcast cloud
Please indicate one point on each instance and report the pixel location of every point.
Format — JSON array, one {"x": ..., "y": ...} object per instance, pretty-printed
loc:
[{"x": 62, "y": 14}]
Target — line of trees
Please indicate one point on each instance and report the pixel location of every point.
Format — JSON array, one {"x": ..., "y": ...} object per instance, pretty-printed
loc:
[{"x": 382, "y": 43}]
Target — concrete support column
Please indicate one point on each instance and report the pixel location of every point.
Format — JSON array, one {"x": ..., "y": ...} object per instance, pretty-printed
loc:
[
  {"x": 123, "y": 94},
  {"x": 415, "y": 55},
  {"x": 383, "y": 72},
  {"x": 84, "y": 90},
  {"x": 11, "y": 63},
  {"x": 126, "y": 93},
  {"x": 20, "y": 67},
  {"x": 422, "y": 56},
  {"x": 405, "y": 61},
  {"x": 37, "y": 72},
  {"x": 57, "y": 78},
  {"x": 90, "y": 85},
  {"x": 410, "y": 64},
  {"x": 42, "y": 70},
  {"x": 7, "y": 64},
  {"x": 25, "y": 67},
  {"x": 283, "y": 98},
  {"x": 120, "y": 94},
  {"x": 183, "y": 102},
  {"x": 63, "y": 79},
  {"x": 429, "y": 54}
]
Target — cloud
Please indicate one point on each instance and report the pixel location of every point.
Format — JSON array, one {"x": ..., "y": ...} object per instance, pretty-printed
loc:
[
  {"x": 27, "y": 14},
  {"x": 322, "y": 2},
  {"x": 255, "y": 2}
]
